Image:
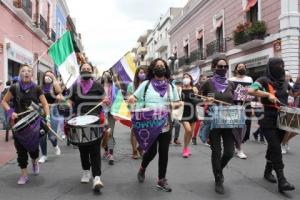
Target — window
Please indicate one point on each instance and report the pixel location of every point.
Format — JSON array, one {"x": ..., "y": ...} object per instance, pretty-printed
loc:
[
  {"x": 252, "y": 10},
  {"x": 219, "y": 35},
  {"x": 200, "y": 48}
]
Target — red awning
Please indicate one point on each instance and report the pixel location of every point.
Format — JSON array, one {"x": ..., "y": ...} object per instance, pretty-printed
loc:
[
  {"x": 250, "y": 4},
  {"x": 199, "y": 35}
]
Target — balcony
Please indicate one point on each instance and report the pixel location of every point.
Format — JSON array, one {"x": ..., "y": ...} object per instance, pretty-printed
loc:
[
  {"x": 196, "y": 55},
  {"x": 141, "y": 50},
  {"x": 42, "y": 28},
  {"x": 24, "y": 10},
  {"x": 161, "y": 45},
  {"x": 216, "y": 47},
  {"x": 185, "y": 60}
]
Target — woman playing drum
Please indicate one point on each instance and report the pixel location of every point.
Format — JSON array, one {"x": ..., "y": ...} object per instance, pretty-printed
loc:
[
  {"x": 84, "y": 95},
  {"x": 23, "y": 93},
  {"x": 273, "y": 89},
  {"x": 222, "y": 90}
]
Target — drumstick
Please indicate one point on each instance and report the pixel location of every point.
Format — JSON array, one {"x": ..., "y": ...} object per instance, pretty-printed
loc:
[
  {"x": 99, "y": 104},
  {"x": 56, "y": 134},
  {"x": 205, "y": 97}
]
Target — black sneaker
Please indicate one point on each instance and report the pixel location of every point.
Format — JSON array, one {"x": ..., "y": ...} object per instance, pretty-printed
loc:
[
  {"x": 141, "y": 175},
  {"x": 162, "y": 184}
]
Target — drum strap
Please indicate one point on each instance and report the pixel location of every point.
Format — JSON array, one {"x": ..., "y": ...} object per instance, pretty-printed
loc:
[{"x": 272, "y": 91}]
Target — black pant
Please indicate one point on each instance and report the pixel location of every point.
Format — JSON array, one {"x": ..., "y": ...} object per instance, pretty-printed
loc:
[
  {"x": 23, "y": 154},
  {"x": 218, "y": 161},
  {"x": 90, "y": 157},
  {"x": 163, "y": 151},
  {"x": 274, "y": 137},
  {"x": 248, "y": 123}
]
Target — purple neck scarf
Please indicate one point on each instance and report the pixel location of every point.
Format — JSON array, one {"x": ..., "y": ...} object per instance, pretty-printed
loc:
[
  {"x": 160, "y": 86},
  {"x": 220, "y": 82},
  {"x": 47, "y": 88},
  {"x": 86, "y": 85},
  {"x": 26, "y": 86}
]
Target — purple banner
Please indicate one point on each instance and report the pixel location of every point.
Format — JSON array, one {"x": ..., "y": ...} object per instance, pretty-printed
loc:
[
  {"x": 241, "y": 92},
  {"x": 147, "y": 126}
]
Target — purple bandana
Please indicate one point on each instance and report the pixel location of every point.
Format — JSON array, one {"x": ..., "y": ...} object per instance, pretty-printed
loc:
[
  {"x": 220, "y": 82},
  {"x": 47, "y": 87},
  {"x": 86, "y": 85},
  {"x": 148, "y": 125},
  {"x": 160, "y": 86},
  {"x": 26, "y": 86}
]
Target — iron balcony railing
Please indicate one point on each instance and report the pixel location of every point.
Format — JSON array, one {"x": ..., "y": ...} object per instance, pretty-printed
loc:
[
  {"x": 196, "y": 55},
  {"x": 217, "y": 46},
  {"x": 43, "y": 25},
  {"x": 53, "y": 35}
]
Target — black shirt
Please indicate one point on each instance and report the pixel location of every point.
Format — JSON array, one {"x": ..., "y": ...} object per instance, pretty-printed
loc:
[
  {"x": 84, "y": 103},
  {"x": 270, "y": 109},
  {"x": 22, "y": 99}
]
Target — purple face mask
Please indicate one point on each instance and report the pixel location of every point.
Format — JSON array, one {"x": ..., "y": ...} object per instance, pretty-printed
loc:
[{"x": 142, "y": 77}]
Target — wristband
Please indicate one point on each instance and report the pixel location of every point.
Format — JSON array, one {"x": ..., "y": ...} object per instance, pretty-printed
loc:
[{"x": 48, "y": 118}]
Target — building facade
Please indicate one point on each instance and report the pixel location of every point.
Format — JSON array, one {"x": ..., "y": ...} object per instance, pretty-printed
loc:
[
  {"x": 249, "y": 31},
  {"x": 140, "y": 50},
  {"x": 158, "y": 41}
]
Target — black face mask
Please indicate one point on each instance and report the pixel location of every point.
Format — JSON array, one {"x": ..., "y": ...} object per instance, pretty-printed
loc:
[
  {"x": 221, "y": 72},
  {"x": 85, "y": 75},
  {"x": 242, "y": 71},
  {"x": 160, "y": 72}
]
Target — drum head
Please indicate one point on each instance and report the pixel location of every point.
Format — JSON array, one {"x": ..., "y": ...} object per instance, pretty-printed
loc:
[
  {"x": 25, "y": 120},
  {"x": 83, "y": 120}
]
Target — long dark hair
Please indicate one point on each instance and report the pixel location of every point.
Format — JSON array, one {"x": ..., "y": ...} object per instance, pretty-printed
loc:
[
  {"x": 109, "y": 78},
  {"x": 236, "y": 66},
  {"x": 136, "y": 80},
  {"x": 150, "y": 74},
  {"x": 44, "y": 75}
]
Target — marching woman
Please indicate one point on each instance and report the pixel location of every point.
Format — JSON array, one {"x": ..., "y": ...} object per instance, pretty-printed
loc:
[
  {"x": 222, "y": 90},
  {"x": 52, "y": 92},
  {"x": 272, "y": 90},
  {"x": 23, "y": 94},
  {"x": 156, "y": 94},
  {"x": 84, "y": 95},
  {"x": 139, "y": 77},
  {"x": 189, "y": 116}
]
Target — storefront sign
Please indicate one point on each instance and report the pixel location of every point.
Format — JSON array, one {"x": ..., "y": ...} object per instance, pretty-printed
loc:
[
  {"x": 254, "y": 62},
  {"x": 21, "y": 56}
]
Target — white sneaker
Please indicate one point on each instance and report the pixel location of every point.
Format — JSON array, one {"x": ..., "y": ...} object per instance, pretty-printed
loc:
[
  {"x": 57, "y": 150},
  {"x": 42, "y": 159},
  {"x": 241, "y": 154},
  {"x": 97, "y": 183},
  {"x": 86, "y": 176},
  {"x": 284, "y": 149}
]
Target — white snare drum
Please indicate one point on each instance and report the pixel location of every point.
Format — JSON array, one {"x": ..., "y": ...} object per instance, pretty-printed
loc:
[
  {"x": 227, "y": 116},
  {"x": 84, "y": 130},
  {"x": 289, "y": 119}
]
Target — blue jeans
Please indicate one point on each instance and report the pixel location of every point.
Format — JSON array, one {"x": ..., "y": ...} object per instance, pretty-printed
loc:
[
  {"x": 55, "y": 120},
  {"x": 204, "y": 131}
]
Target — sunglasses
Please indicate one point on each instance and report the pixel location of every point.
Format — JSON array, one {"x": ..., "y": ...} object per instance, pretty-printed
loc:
[{"x": 222, "y": 66}]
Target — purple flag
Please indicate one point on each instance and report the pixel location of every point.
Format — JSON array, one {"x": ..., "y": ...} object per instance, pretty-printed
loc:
[{"x": 147, "y": 126}]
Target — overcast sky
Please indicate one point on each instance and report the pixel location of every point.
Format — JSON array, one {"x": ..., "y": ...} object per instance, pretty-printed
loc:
[{"x": 111, "y": 28}]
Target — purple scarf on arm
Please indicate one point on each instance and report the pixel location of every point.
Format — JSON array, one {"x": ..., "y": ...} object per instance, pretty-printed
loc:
[
  {"x": 26, "y": 86},
  {"x": 86, "y": 85},
  {"x": 220, "y": 82},
  {"x": 160, "y": 86}
]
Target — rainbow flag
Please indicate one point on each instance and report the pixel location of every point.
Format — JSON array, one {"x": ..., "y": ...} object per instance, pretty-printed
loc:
[
  {"x": 125, "y": 68},
  {"x": 119, "y": 109}
]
